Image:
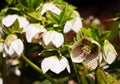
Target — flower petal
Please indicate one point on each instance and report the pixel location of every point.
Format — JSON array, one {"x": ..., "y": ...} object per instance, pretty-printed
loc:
[
  {"x": 76, "y": 55},
  {"x": 17, "y": 46},
  {"x": 23, "y": 22},
  {"x": 48, "y": 37},
  {"x": 8, "y": 50},
  {"x": 110, "y": 58},
  {"x": 109, "y": 52},
  {"x": 58, "y": 40},
  {"x": 77, "y": 24},
  {"x": 67, "y": 27},
  {"x": 65, "y": 62},
  {"x": 51, "y": 7},
  {"x": 93, "y": 63},
  {"x": 31, "y": 32},
  {"x": 85, "y": 48},
  {"x": 54, "y": 65},
  {"x": 9, "y": 20},
  {"x": 45, "y": 64}
]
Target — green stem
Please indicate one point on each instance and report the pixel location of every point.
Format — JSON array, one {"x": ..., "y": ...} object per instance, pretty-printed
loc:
[
  {"x": 77, "y": 73},
  {"x": 4, "y": 68},
  {"x": 38, "y": 69}
]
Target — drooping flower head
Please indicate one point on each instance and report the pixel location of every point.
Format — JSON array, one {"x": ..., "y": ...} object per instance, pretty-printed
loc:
[
  {"x": 110, "y": 53},
  {"x": 10, "y": 19},
  {"x": 50, "y": 7},
  {"x": 86, "y": 49},
  {"x": 13, "y": 46},
  {"x": 74, "y": 24},
  {"x": 55, "y": 64},
  {"x": 53, "y": 38},
  {"x": 34, "y": 32}
]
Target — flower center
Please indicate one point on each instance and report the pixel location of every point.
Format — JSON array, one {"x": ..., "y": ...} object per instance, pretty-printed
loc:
[{"x": 85, "y": 50}]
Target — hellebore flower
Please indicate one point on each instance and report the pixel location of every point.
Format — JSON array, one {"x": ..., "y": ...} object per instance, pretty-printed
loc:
[
  {"x": 34, "y": 32},
  {"x": 86, "y": 49},
  {"x": 53, "y": 38},
  {"x": 13, "y": 46},
  {"x": 10, "y": 19},
  {"x": 51, "y": 7},
  {"x": 55, "y": 64},
  {"x": 110, "y": 53},
  {"x": 74, "y": 24}
]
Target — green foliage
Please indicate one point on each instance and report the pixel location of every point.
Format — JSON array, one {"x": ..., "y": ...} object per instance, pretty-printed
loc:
[
  {"x": 47, "y": 53},
  {"x": 29, "y": 5},
  {"x": 104, "y": 78},
  {"x": 14, "y": 29},
  {"x": 9, "y": 1}
]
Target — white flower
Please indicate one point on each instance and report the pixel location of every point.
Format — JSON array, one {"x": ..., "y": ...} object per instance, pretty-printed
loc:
[
  {"x": 51, "y": 7},
  {"x": 13, "y": 46},
  {"x": 73, "y": 25},
  {"x": 54, "y": 64},
  {"x": 53, "y": 38},
  {"x": 87, "y": 50},
  {"x": 10, "y": 19},
  {"x": 34, "y": 32},
  {"x": 109, "y": 52}
]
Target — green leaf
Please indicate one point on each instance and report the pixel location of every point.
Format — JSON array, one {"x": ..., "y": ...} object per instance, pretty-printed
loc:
[
  {"x": 90, "y": 80},
  {"x": 111, "y": 80},
  {"x": 84, "y": 80},
  {"x": 101, "y": 77},
  {"x": 79, "y": 35},
  {"x": 29, "y": 5},
  {"x": 15, "y": 27},
  {"x": 114, "y": 30},
  {"x": 36, "y": 15},
  {"x": 47, "y": 53},
  {"x": 52, "y": 18},
  {"x": 65, "y": 14},
  {"x": 1, "y": 40},
  {"x": 9, "y": 1},
  {"x": 105, "y": 35},
  {"x": 6, "y": 30}
]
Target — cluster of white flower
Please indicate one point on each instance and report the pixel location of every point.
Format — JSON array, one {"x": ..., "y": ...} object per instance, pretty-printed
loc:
[
  {"x": 37, "y": 33},
  {"x": 86, "y": 49}
]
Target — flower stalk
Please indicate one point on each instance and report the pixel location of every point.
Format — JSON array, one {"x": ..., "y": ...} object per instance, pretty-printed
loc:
[
  {"x": 4, "y": 68},
  {"x": 77, "y": 73},
  {"x": 38, "y": 69}
]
